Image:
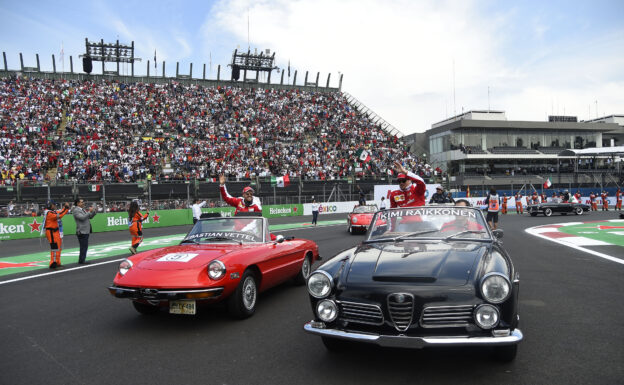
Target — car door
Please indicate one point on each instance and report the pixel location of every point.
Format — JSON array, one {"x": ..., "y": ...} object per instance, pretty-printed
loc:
[{"x": 279, "y": 261}]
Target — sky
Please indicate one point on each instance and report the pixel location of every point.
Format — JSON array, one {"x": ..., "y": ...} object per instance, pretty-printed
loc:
[{"x": 414, "y": 63}]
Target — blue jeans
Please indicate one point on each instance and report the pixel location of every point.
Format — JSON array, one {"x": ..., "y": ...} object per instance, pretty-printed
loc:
[
  {"x": 83, "y": 240},
  {"x": 314, "y": 216}
]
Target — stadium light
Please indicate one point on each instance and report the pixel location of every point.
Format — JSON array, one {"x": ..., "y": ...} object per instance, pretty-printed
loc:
[
  {"x": 108, "y": 52},
  {"x": 252, "y": 62}
]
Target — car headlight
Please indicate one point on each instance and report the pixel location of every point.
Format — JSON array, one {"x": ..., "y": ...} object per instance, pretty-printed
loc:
[
  {"x": 495, "y": 287},
  {"x": 354, "y": 220},
  {"x": 327, "y": 310},
  {"x": 124, "y": 266},
  {"x": 486, "y": 316},
  {"x": 216, "y": 270},
  {"x": 320, "y": 284}
]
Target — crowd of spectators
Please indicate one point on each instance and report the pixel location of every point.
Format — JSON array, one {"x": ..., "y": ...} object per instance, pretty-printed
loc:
[{"x": 123, "y": 132}]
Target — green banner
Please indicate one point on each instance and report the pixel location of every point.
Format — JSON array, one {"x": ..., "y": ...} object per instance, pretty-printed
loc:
[
  {"x": 274, "y": 211},
  {"x": 29, "y": 227}
]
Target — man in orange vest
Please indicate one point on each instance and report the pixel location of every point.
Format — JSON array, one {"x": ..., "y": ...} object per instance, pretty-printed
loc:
[
  {"x": 605, "y": 201},
  {"x": 505, "y": 199},
  {"x": 518, "y": 198},
  {"x": 51, "y": 219},
  {"x": 492, "y": 203},
  {"x": 618, "y": 200}
]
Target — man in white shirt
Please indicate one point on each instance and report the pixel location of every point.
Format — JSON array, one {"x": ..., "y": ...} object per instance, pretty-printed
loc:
[
  {"x": 382, "y": 205},
  {"x": 197, "y": 210}
]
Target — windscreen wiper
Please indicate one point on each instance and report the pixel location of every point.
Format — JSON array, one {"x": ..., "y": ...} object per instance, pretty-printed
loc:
[{"x": 464, "y": 232}]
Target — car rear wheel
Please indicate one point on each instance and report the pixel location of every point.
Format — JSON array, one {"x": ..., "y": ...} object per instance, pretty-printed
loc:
[
  {"x": 145, "y": 308},
  {"x": 505, "y": 353},
  {"x": 335, "y": 344},
  {"x": 578, "y": 211},
  {"x": 304, "y": 272},
  {"x": 547, "y": 212},
  {"x": 242, "y": 303}
]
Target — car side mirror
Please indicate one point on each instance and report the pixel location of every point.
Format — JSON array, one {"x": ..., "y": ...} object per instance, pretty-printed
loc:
[
  {"x": 279, "y": 239},
  {"x": 498, "y": 233}
]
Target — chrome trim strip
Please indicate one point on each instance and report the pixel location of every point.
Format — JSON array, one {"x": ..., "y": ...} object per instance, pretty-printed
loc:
[
  {"x": 370, "y": 312},
  {"x": 136, "y": 292},
  {"x": 415, "y": 342}
]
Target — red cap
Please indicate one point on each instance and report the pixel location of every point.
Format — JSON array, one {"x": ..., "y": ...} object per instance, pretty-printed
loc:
[
  {"x": 248, "y": 188},
  {"x": 402, "y": 176}
]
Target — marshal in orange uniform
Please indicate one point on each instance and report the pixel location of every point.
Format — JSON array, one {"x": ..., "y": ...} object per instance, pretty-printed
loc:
[
  {"x": 505, "y": 199},
  {"x": 518, "y": 198},
  {"x": 135, "y": 220},
  {"x": 51, "y": 217},
  {"x": 605, "y": 201},
  {"x": 618, "y": 200}
]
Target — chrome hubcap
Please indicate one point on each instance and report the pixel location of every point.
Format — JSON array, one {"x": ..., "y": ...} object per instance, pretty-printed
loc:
[
  {"x": 249, "y": 293},
  {"x": 305, "y": 269}
]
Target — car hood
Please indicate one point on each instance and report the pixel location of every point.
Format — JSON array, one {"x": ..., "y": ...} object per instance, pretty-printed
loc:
[
  {"x": 184, "y": 256},
  {"x": 428, "y": 263}
]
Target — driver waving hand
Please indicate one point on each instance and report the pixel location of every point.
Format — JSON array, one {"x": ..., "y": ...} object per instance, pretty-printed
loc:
[
  {"x": 411, "y": 191},
  {"x": 244, "y": 204}
]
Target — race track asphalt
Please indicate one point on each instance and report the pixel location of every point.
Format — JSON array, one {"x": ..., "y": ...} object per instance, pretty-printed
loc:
[{"x": 67, "y": 329}]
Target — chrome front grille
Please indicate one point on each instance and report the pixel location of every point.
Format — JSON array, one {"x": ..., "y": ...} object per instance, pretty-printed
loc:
[
  {"x": 363, "y": 313},
  {"x": 401, "y": 310},
  {"x": 446, "y": 316}
]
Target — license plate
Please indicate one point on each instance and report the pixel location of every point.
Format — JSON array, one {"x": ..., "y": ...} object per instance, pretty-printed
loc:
[{"x": 182, "y": 307}]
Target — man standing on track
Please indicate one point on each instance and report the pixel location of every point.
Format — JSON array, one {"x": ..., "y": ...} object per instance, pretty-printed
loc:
[
  {"x": 196, "y": 207},
  {"x": 505, "y": 199},
  {"x": 135, "y": 225},
  {"x": 618, "y": 200},
  {"x": 605, "y": 201},
  {"x": 592, "y": 201},
  {"x": 518, "y": 198},
  {"x": 412, "y": 188},
  {"x": 51, "y": 218},
  {"x": 492, "y": 203},
  {"x": 83, "y": 227}
]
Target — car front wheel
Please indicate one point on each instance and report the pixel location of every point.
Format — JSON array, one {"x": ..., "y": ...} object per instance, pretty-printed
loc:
[
  {"x": 144, "y": 308},
  {"x": 578, "y": 211},
  {"x": 304, "y": 272},
  {"x": 242, "y": 303},
  {"x": 350, "y": 229},
  {"x": 547, "y": 212}
]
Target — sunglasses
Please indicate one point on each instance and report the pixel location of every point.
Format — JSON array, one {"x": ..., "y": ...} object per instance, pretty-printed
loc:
[{"x": 401, "y": 180}]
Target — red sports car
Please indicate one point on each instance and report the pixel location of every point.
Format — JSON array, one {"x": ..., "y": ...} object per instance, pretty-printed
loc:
[
  {"x": 220, "y": 259},
  {"x": 360, "y": 218}
]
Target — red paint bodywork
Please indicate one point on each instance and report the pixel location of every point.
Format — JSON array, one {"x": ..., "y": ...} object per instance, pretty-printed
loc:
[{"x": 275, "y": 262}]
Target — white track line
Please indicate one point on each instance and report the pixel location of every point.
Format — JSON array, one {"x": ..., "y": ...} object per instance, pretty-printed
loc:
[{"x": 534, "y": 231}]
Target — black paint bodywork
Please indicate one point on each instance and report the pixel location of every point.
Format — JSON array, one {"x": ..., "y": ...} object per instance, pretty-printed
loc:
[
  {"x": 558, "y": 208},
  {"x": 436, "y": 273}
]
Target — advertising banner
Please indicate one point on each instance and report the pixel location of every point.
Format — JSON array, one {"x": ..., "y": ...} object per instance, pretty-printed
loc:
[
  {"x": 330, "y": 207},
  {"x": 274, "y": 211},
  {"x": 224, "y": 211}
]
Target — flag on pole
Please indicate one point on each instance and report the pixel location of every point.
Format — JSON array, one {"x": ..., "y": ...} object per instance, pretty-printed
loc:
[
  {"x": 548, "y": 183},
  {"x": 363, "y": 155},
  {"x": 154, "y": 58},
  {"x": 95, "y": 187},
  {"x": 281, "y": 181}
]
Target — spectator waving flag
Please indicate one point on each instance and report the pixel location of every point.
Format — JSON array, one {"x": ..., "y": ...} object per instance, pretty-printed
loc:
[
  {"x": 548, "y": 183},
  {"x": 281, "y": 181},
  {"x": 363, "y": 155}
]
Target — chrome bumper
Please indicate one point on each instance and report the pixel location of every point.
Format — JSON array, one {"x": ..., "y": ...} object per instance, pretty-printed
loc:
[
  {"x": 413, "y": 342},
  {"x": 164, "y": 294}
]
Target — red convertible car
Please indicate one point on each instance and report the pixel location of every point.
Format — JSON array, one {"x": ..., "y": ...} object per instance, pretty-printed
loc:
[
  {"x": 220, "y": 259},
  {"x": 360, "y": 218}
]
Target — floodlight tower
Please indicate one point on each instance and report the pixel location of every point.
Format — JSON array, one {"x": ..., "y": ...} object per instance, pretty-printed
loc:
[
  {"x": 252, "y": 62},
  {"x": 107, "y": 52}
]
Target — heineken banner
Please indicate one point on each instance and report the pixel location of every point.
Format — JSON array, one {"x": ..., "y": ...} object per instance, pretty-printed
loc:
[
  {"x": 274, "y": 211},
  {"x": 30, "y": 227}
]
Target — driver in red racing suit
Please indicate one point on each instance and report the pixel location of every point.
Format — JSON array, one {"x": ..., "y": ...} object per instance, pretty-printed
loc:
[
  {"x": 411, "y": 191},
  {"x": 246, "y": 203}
]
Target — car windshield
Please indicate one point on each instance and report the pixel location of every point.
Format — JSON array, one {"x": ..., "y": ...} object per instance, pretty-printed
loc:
[
  {"x": 365, "y": 209},
  {"x": 446, "y": 223},
  {"x": 227, "y": 230}
]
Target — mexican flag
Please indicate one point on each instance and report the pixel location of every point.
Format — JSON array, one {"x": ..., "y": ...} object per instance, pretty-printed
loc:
[
  {"x": 281, "y": 181},
  {"x": 363, "y": 155},
  {"x": 95, "y": 187},
  {"x": 548, "y": 183}
]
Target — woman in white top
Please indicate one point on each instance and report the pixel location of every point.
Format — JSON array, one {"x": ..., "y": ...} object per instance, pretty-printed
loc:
[{"x": 315, "y": 211}]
